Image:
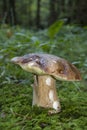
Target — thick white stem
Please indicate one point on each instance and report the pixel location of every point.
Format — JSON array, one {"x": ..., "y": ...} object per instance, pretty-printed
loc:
[{"x": 44, "y": 93}]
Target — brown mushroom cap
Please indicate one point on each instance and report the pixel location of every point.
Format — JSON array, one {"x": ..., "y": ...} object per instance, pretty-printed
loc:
[{"x": 46, "y": 64}]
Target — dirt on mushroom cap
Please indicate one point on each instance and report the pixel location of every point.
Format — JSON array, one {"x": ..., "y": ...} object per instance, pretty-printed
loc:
[{"x": 46, "y": 64}]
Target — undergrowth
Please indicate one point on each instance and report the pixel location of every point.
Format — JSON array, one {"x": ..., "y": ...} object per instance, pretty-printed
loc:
[{"x": 16, "y": 111}]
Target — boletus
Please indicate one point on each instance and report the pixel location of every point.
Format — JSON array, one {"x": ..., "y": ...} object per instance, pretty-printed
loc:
[{"x": 47, "y": 69}]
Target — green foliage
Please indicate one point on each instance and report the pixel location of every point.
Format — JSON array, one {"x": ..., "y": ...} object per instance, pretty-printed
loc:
[
  {"x": 16, "y": 112},
  {"x": 55, "y": 28}
]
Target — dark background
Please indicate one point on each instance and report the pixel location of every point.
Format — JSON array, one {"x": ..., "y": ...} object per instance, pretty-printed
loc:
[{"x": 42, "y": 13}]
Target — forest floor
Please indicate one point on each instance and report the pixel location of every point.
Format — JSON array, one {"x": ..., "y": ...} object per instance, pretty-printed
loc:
[{"x": 16, "y": 112}]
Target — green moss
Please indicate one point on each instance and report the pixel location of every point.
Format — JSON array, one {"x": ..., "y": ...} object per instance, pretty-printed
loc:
[{"x": 16, "y": 112}]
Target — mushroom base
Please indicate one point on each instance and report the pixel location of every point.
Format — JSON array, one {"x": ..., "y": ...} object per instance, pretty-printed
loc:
[{"x": 44, "y": 93}]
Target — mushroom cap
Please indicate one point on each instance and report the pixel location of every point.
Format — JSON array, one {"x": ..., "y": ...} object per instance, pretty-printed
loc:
[{"x": 46, "y": 64}]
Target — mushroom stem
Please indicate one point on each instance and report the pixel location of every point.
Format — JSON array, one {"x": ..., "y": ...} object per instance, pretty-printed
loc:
[{"x": 44, "y": 93}]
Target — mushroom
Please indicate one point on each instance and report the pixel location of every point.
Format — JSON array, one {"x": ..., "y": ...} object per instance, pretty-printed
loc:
[{"x": 47, "y": 69}]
